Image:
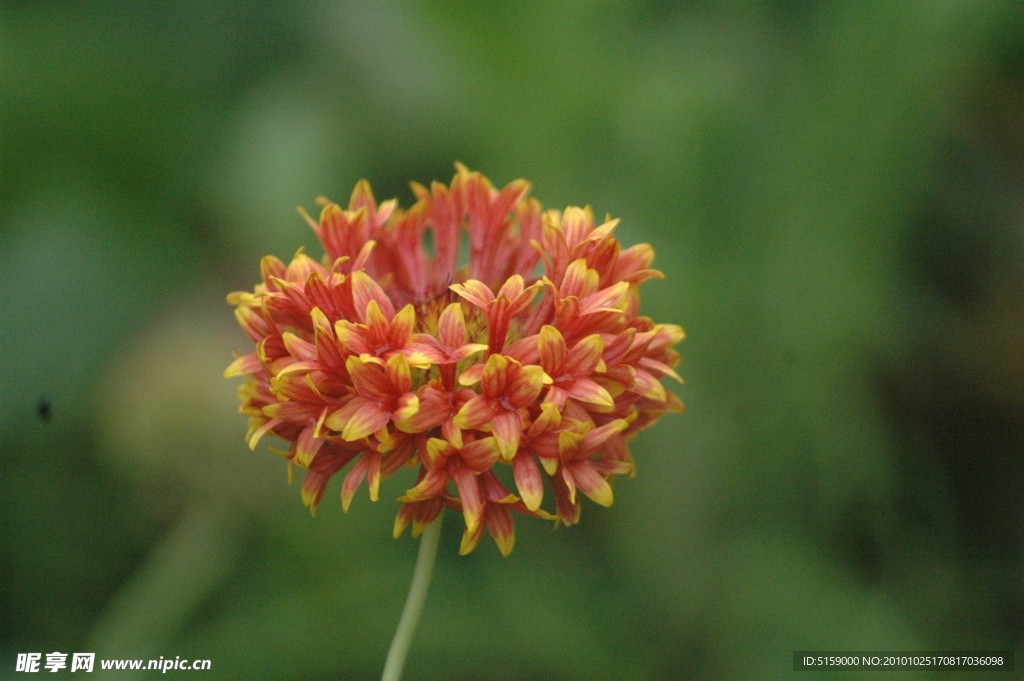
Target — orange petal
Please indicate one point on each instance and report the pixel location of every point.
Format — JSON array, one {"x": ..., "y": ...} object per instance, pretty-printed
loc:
[
  {"x": 470, "y": 540},
  {"x": 475, "y": 413},
  {"x": 502, "y": 528},
  {"x": 472, "y": 374},
  {"x": 402, "y": 325},
  {"x": 437, "y": 452},
  {"x": 469, "y": 495},
  {"x": 586, "y": 390},
  {"x": 398, "y": 374},
  {"x": 352, "y": 481},
  {"x": 451, "y": 327},
  {"x": 246, "y": 364},
  {"x": 584, "y": 356},
  {"x": 476, "y": 292},
  {"x": 495, "y": 375},
  {"x": 507, "y": 430},
  {"x": 365, "y": 289},
  {"x": 365, "y": 421},
  {"x": 432, "y": 484},
  {"x": 480, "y": 454},
  {"x": 590, "y": 482},
  {"x": 551, "y": 346},
  {"x": 528, "y": 481},
  {"x": 525, "y": 385},
  {"x": 368, "y": 379}
]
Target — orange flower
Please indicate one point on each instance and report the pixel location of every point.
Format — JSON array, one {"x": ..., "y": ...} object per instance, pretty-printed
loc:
[{"x": 386, "y": 355}]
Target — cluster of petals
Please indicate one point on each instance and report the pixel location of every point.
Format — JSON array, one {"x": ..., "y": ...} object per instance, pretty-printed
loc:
[{"x": 491, "y": 371}]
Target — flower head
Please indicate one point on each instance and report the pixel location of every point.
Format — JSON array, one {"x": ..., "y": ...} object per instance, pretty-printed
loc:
[{"x": 386, "y": 353}]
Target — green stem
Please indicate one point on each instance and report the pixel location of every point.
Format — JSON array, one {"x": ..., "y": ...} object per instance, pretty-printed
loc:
[{"x": 414, "y": 602}]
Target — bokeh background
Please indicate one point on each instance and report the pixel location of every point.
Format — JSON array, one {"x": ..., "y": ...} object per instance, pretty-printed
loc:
[{"x": 835, "y": 191}]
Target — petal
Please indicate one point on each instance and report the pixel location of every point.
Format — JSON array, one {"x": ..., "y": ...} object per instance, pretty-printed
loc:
[
  {"x": 246, "y": 364},
  {"x": 495, "y": 375},
  {"x": 472, "y": 374},
  {"x": 552, "y": 350},
  {"x": 261, "y": 431},
  {"x": 481, "y": 454},
  {"x": 404, "y": 517},
  {"x": 501, "y": 527},
  {"x": 428, "y": 512},
  {"x": 595, "y": 439},
  {"x": 525, "y": 385},
  {"x": 368, "y": 379},
  {"x": 584, "y": 357},
  {"x": 579, "y": 280},
  {"x": 398, "y": 374},
  {"x": 469, "y": 494},
  {"x": 418, "y": 414},
  {"x": 437, "y": 452},
  {"x": 649, "y": 386},
  {"x": 590, "y": 482},
  {"x": 351, "y": 483},
  {"x": 373, "y": 474},
  {"x": 432, "y": 484},
  {"x": 475, "y": 413},
  {"x": 512, "y": 287},
  {"x": 377, "y": 326},
  {"x": 451, "y": 327},
  {"x": 306, "y": 447},
  {"x": 470, "y": 540},
  {"x": 528, "y": 480},
  {"x": 507, "y": 430},
  {"x": 476, "y": 292},
  {"x": 365, "y": 421},
  {"x": 567, "y": 509},
  {"x": 313, "y": 486},
  {"x": 586, "y": 390},
  {"x": 402, "y": 325},
  {"x": 365, "y": 289}
]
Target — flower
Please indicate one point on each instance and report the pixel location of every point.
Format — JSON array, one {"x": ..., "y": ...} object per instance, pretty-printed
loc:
[{"x": 388, "y": 353}]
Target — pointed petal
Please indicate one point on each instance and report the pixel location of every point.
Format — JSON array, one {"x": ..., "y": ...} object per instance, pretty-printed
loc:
[
  {"x": 476, "y": 413},
  {"x": 472, "y": 374},
  {"x": 432, "y": 484},
  {"x": 451, "y": 327},
  {"x": 365, "y": 421},
  {"x": 528, "y": 480},
  {"x": 584, "y": 356},
  {"x": 524, "y": 385},
  {"x": 586, "y": 390},
  {"x": 480, "y": 454},
  {"x": 353, "y": 479},
  {"x": 469, "y": 494},
  {"x": 470, "y": 540},
  {"x": 507, "y": 430},
  {"x": 402, "y": 325},
  {"x": 552, "y": 350},
  {"x": 428, "y": 512},
  {"x": 502, "y": 528},
  {"x": 365, "y": 289},
  {"x": 398, "y": 374},
  {"x": 495, "y": 375},
  {"x": 476, "y": 292},
  {"x": 261, "y": 431},
  {"x": 590, "y": 482},
  {"x": 373, "y": 474},
  {"x": 306, "y": 447},
  {"x": 437, "y": 452},
  {"x": 246, "y": 364},
  {"x": 368, "y": 379}
]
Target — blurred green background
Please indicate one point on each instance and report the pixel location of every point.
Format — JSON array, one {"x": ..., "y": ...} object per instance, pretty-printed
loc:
[{"x": 835, "y": 191}]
